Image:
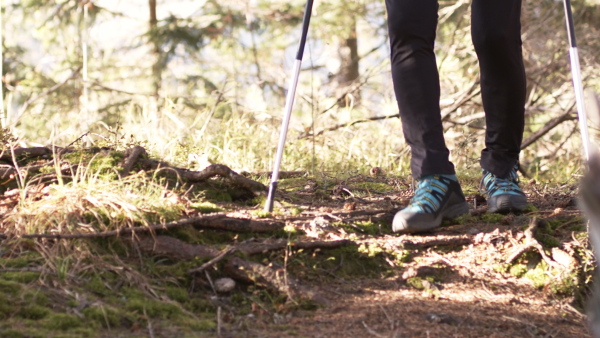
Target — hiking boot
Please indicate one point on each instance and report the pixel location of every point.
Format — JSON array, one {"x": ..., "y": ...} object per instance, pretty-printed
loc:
[
  {"x": 503, "y": 194},
  {"x": 436, "y": 197}
]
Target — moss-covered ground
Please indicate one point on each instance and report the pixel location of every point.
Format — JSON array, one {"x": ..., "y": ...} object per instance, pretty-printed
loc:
[{"x": 107, "y": 286}]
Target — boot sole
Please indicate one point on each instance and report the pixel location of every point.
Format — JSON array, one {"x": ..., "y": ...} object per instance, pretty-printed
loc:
[{"x": 506, "y": 203}]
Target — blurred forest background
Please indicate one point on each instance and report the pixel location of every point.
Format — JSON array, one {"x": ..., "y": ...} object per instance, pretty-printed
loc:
[{"x": 209, "y": 77}]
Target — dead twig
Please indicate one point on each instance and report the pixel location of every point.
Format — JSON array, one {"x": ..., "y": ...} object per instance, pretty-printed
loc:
[
  {"x": 224, "y": 254},
  {"x": 131, "y": 157}
]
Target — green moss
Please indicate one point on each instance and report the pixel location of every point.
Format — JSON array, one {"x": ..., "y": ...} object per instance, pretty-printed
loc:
[
  {"x": 566, "y": 285},
  {"x": 295, "y": 211},
  {"x": 203, "y": 305},
  {"x": 103, "y": 315},
  {"x": 21, "y": 261},
  {"x": 12, "y": 333},
  {"x": 62, "y": 321},
  {"x": 201, "y": 325},
  {"x": 6, "y": 307},
  {"x": 366, "y": 228},
  {"x": 290, "y": 229},
  {"x": 530, "y": 208},
  {"x": 177, "y": 294},
  {"x": 153, "y": 308},
  {"x": 21, "y": 277},
  {"x": 370, "y": 249},
  {"x": 9, "y": 286},
  {"x": 216, "y": 193},
  {"x": 258, "y": 200},
  {"x": 538, "y": 275},
  {"x": 37, "y": 297},
  {"x": 33, "y": 311},
  {"x": 492, "y": 218},
  {"x": 415, "y": 282},
  {"x": 518, "y": 270},
  {"x": 375, "y": 186},
  {"x": 548, "y": 241},
  {"x": 104, "y": 163},
  {"x": 205, "y": 207},
  {"x": 465, "y": 219},
  {"x": 97, "y": 286},
  {"x": 261, "y": 213}
]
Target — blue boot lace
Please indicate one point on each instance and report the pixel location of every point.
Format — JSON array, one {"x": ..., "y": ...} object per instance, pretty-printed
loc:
[
  {"x": 493, "y": 185},
  {"x": 429, "y": 193}
]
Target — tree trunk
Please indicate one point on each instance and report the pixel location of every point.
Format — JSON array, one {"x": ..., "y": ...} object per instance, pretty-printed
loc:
[
  {"x": 157, "y": 67},
  {"x": 349, "y": 71}
]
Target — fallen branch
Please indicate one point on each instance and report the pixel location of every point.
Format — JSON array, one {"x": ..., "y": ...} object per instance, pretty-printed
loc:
[
  {"x": 349, "y": 124},
  {"x": 219, "y": 222},
  {"x": 282, "y": 174},
  {"x": 29, "y": 152},
  {"x": 547, "y": 128},
  {"x": 256, "y": 188},
  {"x": 224, "y": 254},
  {"x": 131, "y": 157}
]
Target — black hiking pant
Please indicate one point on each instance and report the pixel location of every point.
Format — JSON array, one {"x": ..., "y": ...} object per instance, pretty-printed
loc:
[{"x": 496, "y": 36}]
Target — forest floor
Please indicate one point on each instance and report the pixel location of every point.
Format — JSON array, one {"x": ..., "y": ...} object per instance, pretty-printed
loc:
[{"x": 324, "y": 264}]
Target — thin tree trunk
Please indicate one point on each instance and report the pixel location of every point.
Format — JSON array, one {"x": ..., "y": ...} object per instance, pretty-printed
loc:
[
  {"x": 3, "y": 123},
  {"x": 157, "y": 67},
  {"x": 349, "y": 71}
]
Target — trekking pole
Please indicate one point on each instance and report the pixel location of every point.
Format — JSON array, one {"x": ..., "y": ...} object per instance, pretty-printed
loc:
[
  {"x": 289, "y": 103},
  {"x": 577, "y": 82}
]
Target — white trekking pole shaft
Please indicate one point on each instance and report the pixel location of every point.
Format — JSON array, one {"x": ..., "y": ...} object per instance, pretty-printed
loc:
[
  {"x": 577, "y": 81},
  {"x": 289, "y": 104}
]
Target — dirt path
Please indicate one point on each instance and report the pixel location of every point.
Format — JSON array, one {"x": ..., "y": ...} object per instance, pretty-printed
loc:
[{"x": 452, "y": 289}]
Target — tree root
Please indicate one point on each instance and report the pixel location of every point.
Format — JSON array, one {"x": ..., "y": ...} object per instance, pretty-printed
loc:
[
  {"x": 237, "y": 180},
  {"x": 532, "y": 243},
  {"x": 236, "y": 267}
]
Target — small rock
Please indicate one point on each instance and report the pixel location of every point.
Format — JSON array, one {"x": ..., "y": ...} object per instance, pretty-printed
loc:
[
  {"x": 410, "y": 273},
  {"x": 376, "y": 171},
  {"x": 473, "y": 231},
  {"x": 429, "y": 285},
  {"x": 440, "y": 318},
  {"x": 224, "y": 285},
  {"x": 350, "y": 206},
  {"x": 563, "y": 258}
]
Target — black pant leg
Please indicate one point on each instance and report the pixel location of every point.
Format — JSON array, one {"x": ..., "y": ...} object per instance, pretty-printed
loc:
[
  {"x": 412, "y": 25},
  {"x": 496, "y": 34}
]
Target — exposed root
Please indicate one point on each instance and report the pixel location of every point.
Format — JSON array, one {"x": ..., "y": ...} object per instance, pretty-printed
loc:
[
  {"x": 256, "y": 188},
  {"x": 131, "y": 157},
  {"x": 532, "y": 243},
  {"x": 237, "y": 268}
]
